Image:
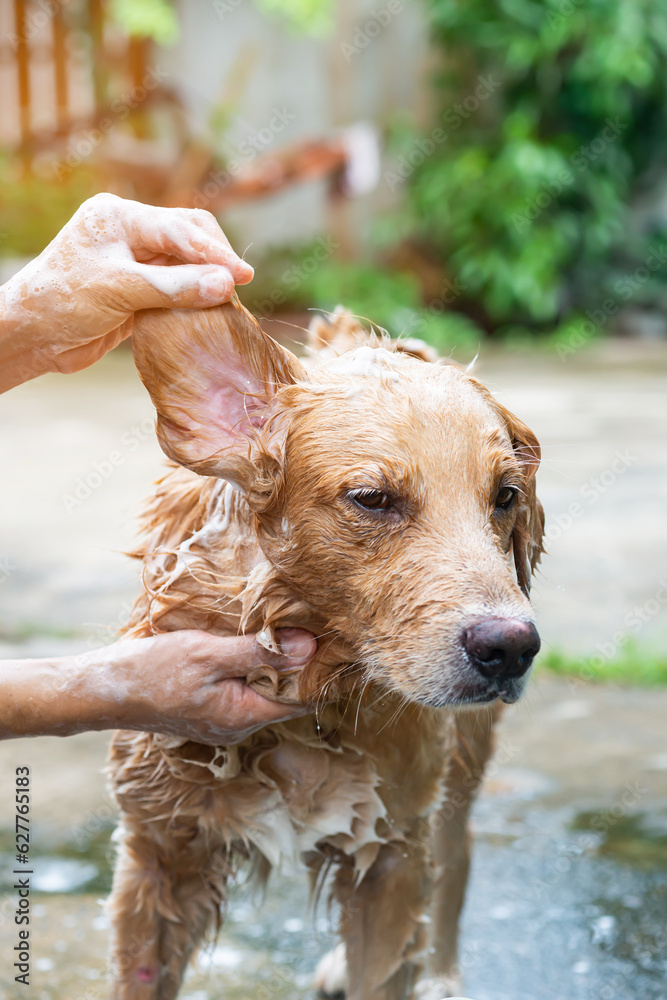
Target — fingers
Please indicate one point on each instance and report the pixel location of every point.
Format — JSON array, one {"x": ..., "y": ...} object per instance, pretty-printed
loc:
[
  {"x": 253, "y": 712},
  {"x": 78, "y": 358},
  {"x": 193, "y": 236},
  {"x": 240, "y": 654},
  {"x": 191, "y": 684},
  {"x": 296, "y": 644},
  {"x": 183, "y": 286},
  {"x": 242, "y": 271}
]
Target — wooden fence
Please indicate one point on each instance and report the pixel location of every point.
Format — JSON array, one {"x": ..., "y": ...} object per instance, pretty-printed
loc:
[
  {"x": 76, "y": 90},
  {"x": 62, "y": 63}
]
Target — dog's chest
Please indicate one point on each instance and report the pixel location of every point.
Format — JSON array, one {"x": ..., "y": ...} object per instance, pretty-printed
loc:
[{"x": 301, "y": 786}]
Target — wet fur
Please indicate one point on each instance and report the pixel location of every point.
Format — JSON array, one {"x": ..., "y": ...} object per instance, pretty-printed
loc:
[{"x": 376, "y": 785}]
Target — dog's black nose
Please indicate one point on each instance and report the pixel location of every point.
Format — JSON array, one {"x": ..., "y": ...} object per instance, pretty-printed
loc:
[{"x": 501, "y": 647}]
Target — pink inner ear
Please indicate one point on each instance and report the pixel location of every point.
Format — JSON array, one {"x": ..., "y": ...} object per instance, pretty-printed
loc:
[
  {"x": 231, "y": 411},
  {"x": 224, "y": 409},
  {"x": 212, "y": 374}
]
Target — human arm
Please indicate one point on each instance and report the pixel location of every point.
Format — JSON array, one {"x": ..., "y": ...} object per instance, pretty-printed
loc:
[{"x": 187, "y": 684}]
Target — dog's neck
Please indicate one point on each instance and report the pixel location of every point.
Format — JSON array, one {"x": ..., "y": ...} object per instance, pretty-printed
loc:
[{"x": 207, "y": 570}]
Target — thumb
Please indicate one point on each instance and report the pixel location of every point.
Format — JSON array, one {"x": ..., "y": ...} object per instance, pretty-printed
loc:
[
  {"x": 296, "y": 645},
  {"x": 237, "y": 655},
  {"x": 179, "y": 286}
]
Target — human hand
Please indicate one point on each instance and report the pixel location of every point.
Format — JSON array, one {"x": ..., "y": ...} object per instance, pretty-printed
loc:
[
  {"x": 191, "y": 685},
  {"x": 76, "y": 301},
  {"x": 185, "y": 684}
]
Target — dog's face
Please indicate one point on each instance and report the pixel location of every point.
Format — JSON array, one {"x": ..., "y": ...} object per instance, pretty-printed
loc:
[
  {"x": 396, "y": 507},
  {"x": 396, "y": 497}
]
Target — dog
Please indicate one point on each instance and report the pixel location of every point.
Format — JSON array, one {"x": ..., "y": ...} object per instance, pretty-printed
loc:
[{"x": 385, "y": 502}]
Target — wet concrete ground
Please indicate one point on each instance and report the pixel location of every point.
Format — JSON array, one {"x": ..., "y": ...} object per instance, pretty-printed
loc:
[{"x": 568, "y": 897}]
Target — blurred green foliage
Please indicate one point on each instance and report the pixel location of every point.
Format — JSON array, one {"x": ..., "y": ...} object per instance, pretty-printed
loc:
[
  {"x": 390, "y": 299},
  {"x": 551, "y": 126},
  {"x": 633, "y": 664},
  {"x": 154, "y": 19},
  {"x": 34, "y": 207},
  {"x": 552, "y": 119},
  {"x": 377, "y": 295},
  {"x": 313, "y": 17}
]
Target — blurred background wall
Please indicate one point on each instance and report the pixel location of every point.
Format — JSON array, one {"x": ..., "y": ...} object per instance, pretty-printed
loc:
[
  {"x": 87, "y": 105},
  {"x": 487, "y": 169}
]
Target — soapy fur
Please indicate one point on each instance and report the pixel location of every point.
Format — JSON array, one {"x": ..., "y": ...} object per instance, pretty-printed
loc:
[{"x": 374, "y": 788}]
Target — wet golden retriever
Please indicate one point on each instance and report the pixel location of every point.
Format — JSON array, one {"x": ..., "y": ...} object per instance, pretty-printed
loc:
[{"x": 386, "y": 503}]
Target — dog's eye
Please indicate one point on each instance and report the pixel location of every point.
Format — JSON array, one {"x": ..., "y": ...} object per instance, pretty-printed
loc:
[
  {"x": 506, "y": 498},
  {"x": 371, "y": 499}
]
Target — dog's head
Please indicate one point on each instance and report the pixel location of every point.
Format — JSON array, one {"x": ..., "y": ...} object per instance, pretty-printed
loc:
[{"x": 394, "y": 495}]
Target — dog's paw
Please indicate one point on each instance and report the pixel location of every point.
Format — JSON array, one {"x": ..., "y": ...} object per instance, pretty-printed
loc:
[
  {"x": 330, "y": 978},
  {"x": 439, "y": 988}
]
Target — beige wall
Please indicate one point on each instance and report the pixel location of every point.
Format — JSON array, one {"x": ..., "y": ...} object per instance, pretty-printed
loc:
[{"x": 374, "y": 65}]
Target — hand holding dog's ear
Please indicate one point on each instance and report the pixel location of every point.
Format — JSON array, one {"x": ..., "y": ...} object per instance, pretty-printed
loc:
[
  {"x": 76, "y": 301},
  {"x": 212, "y": 375}
]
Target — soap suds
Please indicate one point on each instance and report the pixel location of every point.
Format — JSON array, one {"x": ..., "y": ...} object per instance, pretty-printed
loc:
[{"x": 367, "y": 361}]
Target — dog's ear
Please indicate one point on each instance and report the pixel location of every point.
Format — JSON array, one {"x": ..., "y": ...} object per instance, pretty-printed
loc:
[
  {"x": 528, "y": 533},
  {"x": 338, "y": 332},
  {"x": 212, "y": 375}
]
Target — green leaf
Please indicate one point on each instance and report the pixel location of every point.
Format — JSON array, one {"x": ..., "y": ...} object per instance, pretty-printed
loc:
[
  {"x": 154, "y": 19},
  {"x": 312, "y": 17}
]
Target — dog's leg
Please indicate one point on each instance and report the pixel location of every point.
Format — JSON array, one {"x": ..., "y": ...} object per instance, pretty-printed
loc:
[
  {"x": 452, "y": 846},
  {"x": 382, "y": 919},
  {"x": 162, "y": 906}
]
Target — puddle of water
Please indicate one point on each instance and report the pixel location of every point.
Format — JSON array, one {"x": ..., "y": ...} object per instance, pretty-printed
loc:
[
  {"x": 635, "y": 929},
  {"x": 638, "y": 839},
  {"x": 598, "y": 912},
  {"x": 67, "y": 867},
  {"x": 62, "y": 875}
]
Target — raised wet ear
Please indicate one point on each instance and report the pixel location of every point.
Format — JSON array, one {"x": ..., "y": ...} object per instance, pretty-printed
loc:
[
  {"x": 528, "y": 533},
  {"x": 212, "y": 375}
]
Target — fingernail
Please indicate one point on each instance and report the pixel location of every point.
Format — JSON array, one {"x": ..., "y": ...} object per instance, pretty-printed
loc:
[
  {"x": 296, "y": 643},
  {"x": 217, "y": 285},
  {"x": 244, "y": 273}
]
